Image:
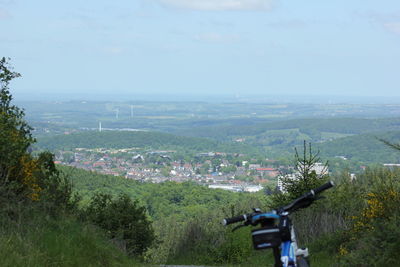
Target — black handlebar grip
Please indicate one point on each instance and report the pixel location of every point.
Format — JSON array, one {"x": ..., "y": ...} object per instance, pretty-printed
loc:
[
  {"x": 323, "y": 187},
  {"x": 236, "y": 219}
]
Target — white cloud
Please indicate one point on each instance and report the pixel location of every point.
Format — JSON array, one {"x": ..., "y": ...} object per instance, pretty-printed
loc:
[
  {"x": 393, "y": 27},
  {"x": 219, "y": 5}
]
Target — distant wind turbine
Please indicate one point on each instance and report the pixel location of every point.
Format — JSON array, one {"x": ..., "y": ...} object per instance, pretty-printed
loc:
[{"x": 131, "y": 111}]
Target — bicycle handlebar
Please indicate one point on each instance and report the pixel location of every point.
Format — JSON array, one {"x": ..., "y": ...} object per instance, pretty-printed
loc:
[
  {"x": 324, "y": 187},
  {"x": 301, "y": 202},
  {"x": 236, "y": 219}
]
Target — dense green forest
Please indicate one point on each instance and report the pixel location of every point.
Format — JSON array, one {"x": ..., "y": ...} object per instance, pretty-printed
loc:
[
  {"x": 140, "y": 139},
  {"x": 161, "y": 200},
  {"x": 364, "y": 147},
  {"x": 174, "y": 209},
  {"x": 354, "y": 138},
  {"x": 360, "y": 149},
  {"x": 307, "y": 126}
]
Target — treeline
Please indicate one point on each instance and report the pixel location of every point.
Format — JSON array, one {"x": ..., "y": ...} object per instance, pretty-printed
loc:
[
  {"x": 353, "y": 138},
  {"x": 274, "y": 143},
  {"x": 141, "y": 139},
  {"x": 364, "y": 147},
  {"x": 186, "y": 217},
  {"x": 161, "y": 200},
  {"x": 334, "y": 125},
  {"x": 360, "y": 149}
]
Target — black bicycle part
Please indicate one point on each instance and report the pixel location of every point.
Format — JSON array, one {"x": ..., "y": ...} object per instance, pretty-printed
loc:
[
  {"x": 324, "y": 187},
  {"x": 284, "y": 228},
  {"x": 277, "y": 257},
  {"x": 236, "y": 219},
  {"x": 307, "y": 199}
]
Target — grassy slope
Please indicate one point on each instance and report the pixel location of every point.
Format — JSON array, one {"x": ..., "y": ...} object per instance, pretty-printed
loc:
[{"x": 43, "y": 241}]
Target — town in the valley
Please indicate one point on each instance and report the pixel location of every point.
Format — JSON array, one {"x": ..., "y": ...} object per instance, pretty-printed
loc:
[{"x": 234, "y": 172}]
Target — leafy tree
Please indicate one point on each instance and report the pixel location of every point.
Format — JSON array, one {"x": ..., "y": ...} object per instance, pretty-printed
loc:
[
  {"x": 56, "y": 188},
  {"x": 228, "y": 169},
  {"x": 16, "y": 164},
  {"x": 21, "y": 174},
  {"x": 165, "y": 171},
  {"x": 124, "y": 220}
]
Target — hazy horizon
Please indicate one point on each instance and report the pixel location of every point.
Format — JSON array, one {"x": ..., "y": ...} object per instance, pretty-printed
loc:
[{"x": 207, "y": 97}]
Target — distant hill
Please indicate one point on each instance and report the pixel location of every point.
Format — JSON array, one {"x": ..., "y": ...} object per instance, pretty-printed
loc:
[
  {"x": 364, "y": 147},
  {"x": 353, "y": 138},
  {"x": 310, "y": 127},
  {"x": 140, "y": 139}
]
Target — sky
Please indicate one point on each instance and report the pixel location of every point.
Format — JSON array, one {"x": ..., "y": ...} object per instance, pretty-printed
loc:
[{"x": 203, "y": 47}]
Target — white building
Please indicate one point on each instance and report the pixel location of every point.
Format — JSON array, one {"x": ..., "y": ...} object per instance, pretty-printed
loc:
[
  {"x": 319, "y": 168},
  {"x": 235, "y": 188}
]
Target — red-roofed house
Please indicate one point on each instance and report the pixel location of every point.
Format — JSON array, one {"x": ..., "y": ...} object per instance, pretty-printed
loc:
[{"x": 271, "y": 172}]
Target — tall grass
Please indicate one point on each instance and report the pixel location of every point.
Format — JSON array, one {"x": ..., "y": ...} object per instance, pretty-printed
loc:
[{"x": 44, "y": 241}]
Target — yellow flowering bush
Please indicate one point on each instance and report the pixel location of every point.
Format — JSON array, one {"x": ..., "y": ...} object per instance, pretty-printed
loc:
[
  {"x": 24, "y": 177},
  {"x": 373, "y": 236},
  {"x": 379, "y": 206}
]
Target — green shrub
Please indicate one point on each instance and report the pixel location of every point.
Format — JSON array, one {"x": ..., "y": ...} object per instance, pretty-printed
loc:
[
  {"x": 124, "y": 220},
  {"x": 374, "y": 236},
  {"x": 39, "y": 240}
]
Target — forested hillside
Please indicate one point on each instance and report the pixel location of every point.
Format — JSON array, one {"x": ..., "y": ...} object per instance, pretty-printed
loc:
[
  {"x": 161, "y": 200},
  {"x": 307, "y": 126},
  {"x": 364, "y": 147},
  {"x": 140, "y": 139},
  {"x": 186, "y": 217},
  {"x": 359, "y": 149}
]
